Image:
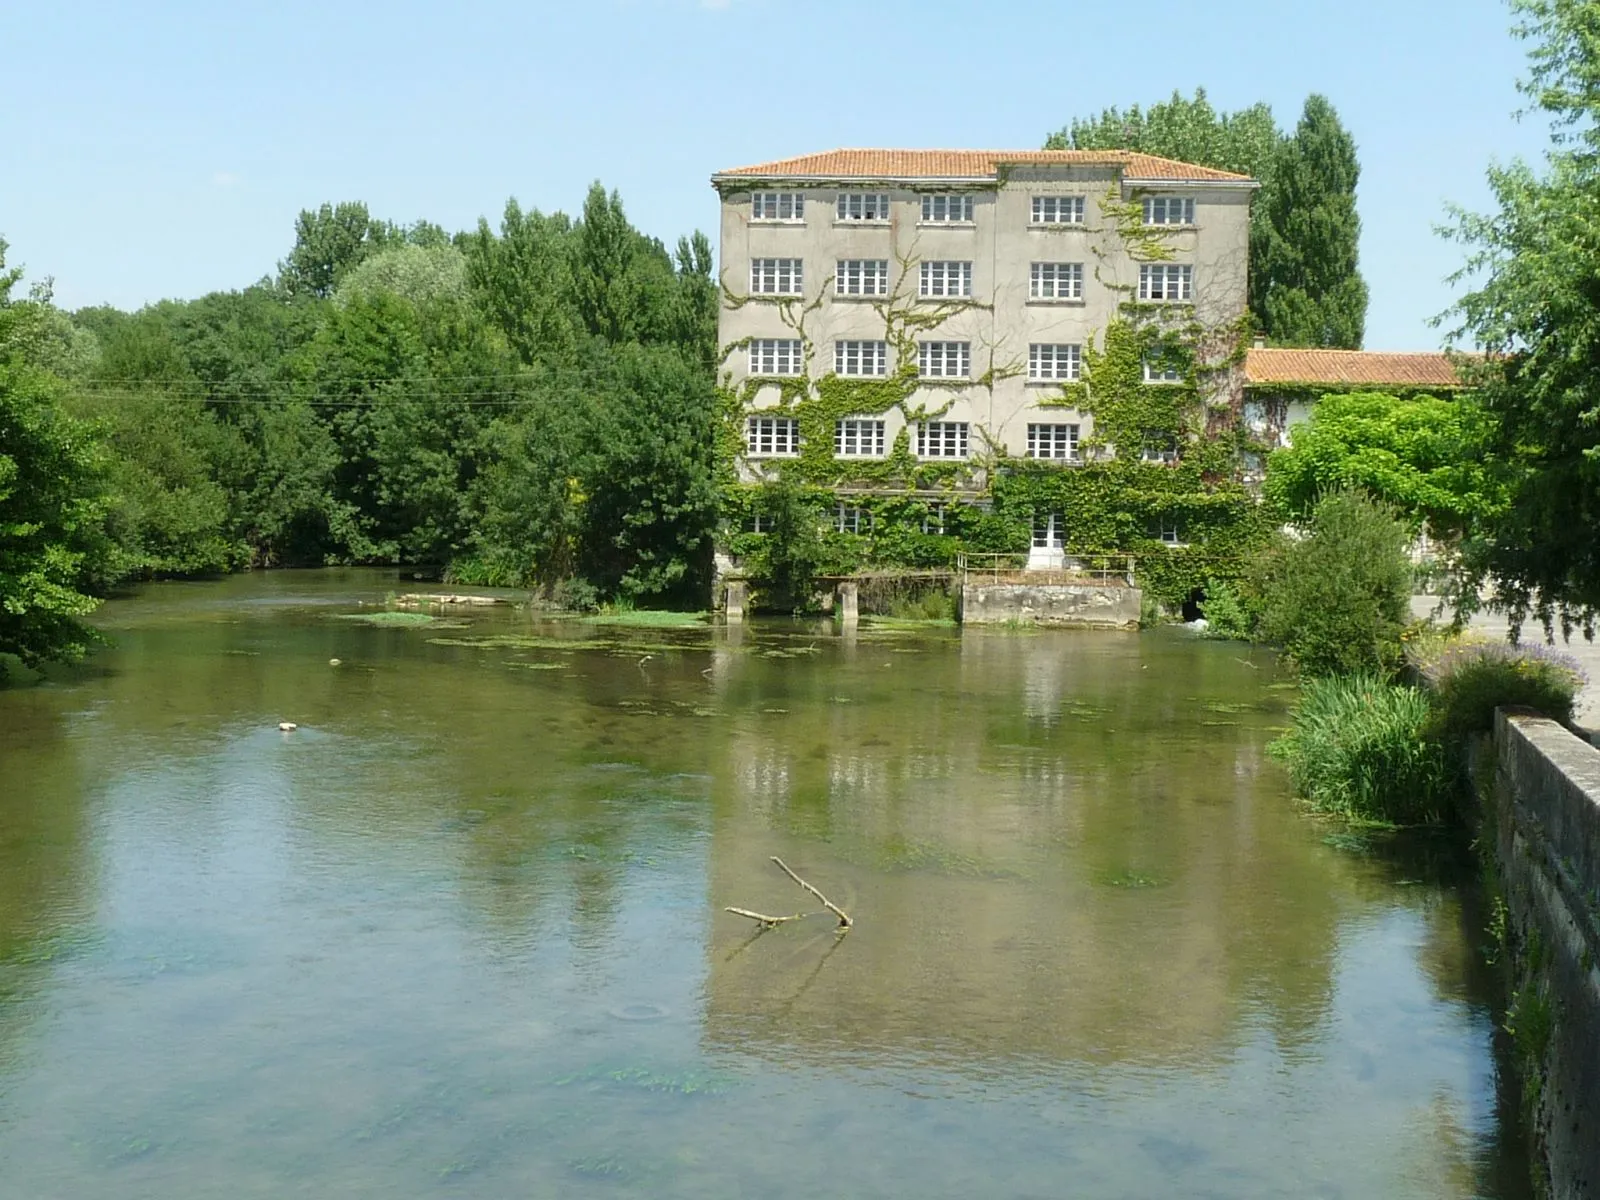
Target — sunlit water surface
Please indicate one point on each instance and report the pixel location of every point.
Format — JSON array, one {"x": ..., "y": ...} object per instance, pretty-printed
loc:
[{"x": 462, "y": 933}]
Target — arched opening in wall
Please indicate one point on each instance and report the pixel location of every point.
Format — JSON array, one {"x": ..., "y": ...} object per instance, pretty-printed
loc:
[{"x": 1191, "y": 605}]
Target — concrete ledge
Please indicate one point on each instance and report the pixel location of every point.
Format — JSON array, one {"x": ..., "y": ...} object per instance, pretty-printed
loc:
[
  {"x": 1547, "y": 835},
  {"x": 1083, "y": 605}
]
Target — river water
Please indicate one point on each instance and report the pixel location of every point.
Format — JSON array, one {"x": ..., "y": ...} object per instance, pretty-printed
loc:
[{"x": 461, "y": 933}]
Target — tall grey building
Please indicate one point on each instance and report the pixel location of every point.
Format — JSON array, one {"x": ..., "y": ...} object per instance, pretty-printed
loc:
[{"x": 974, "y": 279}]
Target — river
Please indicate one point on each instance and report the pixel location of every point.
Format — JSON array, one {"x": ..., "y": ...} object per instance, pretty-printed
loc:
[{"x": 461, "y": 932}]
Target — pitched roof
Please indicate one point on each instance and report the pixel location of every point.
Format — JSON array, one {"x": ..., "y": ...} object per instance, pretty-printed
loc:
[
  {"x": 969, "y": 164},
  {"x": 1345, "y": 367}
]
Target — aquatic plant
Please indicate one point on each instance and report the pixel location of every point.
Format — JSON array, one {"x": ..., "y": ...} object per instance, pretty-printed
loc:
[{"x": 1360, "y": 748}]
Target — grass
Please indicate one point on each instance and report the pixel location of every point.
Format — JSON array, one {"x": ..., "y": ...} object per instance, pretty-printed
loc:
[{"x": 1360, "y": 748}]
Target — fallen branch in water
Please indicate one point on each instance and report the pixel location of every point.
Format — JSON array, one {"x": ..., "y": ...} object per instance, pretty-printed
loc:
[
  {"x": 844, "y": 918},
  {"x": 765, "y": 921}
]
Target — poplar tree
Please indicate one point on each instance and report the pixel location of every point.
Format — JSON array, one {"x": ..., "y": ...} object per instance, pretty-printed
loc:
[{"x": 1309, "y": 291}]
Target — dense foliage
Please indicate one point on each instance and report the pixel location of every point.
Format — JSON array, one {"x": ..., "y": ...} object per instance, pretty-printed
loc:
[
  {"x": 50, "y": 507},
  {"x": 1469, "y": 680},
  {"x": 1336, "y": 597},
  {"x": 527, "y": 405},
  {"x": 1305, "y": 288},
  {"x": 1536, "y": 310},
  {"x": 1359, "y": 749},
  {"x": 1421, "y": 454}
]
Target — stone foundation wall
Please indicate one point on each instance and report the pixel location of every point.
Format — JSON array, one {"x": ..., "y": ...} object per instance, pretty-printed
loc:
[
  {"x": 1544, "y": 810},
  {"x": 1070, "y": 605}
]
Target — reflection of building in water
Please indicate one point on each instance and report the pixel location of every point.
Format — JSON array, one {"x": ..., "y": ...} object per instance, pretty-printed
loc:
[{"x": 1065, "y": 893}]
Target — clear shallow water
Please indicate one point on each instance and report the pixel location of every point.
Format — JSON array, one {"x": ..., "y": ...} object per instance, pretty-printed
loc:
[{"x": 461, "y": 933}]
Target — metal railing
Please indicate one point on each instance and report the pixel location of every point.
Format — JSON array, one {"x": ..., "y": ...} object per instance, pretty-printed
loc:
[{"x": 1104, "y": 570}]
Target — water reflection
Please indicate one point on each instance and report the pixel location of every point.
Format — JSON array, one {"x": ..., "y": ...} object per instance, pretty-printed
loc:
[{"x": 463, "y": 928}]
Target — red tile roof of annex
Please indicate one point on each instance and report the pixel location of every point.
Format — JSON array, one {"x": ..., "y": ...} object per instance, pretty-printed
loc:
[
  {"x": 971, "y": 164},
  {"x": 1372, "y": 367}
]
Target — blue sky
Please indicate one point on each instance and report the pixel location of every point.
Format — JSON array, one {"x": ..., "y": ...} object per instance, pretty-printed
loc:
[{"x": 163, "y": 149}]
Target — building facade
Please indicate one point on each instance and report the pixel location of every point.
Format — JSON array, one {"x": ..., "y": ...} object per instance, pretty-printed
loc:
[{"x": 955, "y": 294}]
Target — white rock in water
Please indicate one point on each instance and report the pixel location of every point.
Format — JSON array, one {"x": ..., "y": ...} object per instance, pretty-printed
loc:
[
  {"x": 287, "y": 726},
  {"x": 333, "y": 662}
]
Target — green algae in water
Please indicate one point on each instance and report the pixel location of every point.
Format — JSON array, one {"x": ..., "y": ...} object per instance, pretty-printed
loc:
[
  {"x": 1134, "y": 880},
  {"x": 389, "y": 619},
  {"x": 644, "y": 1079},
  {"x": 649, "y": 619}
]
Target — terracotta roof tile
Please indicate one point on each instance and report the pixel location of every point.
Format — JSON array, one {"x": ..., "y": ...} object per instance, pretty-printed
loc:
[
  {"x": 968, "y": 164},
  {"x": 1345, "y": 367}
]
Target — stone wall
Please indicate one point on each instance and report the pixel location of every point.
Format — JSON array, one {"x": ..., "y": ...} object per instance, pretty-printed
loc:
[
  {"x": 1072, "y": 605},
  {"x": 1545, "y": 816}
]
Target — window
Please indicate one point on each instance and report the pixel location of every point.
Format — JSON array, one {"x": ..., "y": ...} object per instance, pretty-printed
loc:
[
  {"x": 776, "y": 356},
  {"x": 758, "y": 523},
  {"x": 777, "y": 206},
  {"x": 848, "y": 518},
  {"x": 946, "y": 279},
  {"x": 775, "y": 276},
  {"x": 1053, "y": 441},
  {"x": 863, "y": 206},
  {"x": 772, "y": 437},
  {"x": 1047, "y": 531},
  {"x": 861, "y": 277},
  {"x": 1168, "y": 210},
  {"x": 861, "y": 358},
  {"x": 1167, "y": 531},
  {"x": 1166, "y": 282},
  {"x": 942, "y": 439},
  {"x": 933, "y": 519},
  {"x": 1058, "y": 210},
  {"x": 944, "y": 360},
  {"x": 858, "y": 437},
  {"x": 1048, "y": 362},
  {"x": 1056, "y": 281},
  {"x": 1162, "y": 370},
  {"x": 1159, "y": 454},
  {"x": 947, "y": 210}
]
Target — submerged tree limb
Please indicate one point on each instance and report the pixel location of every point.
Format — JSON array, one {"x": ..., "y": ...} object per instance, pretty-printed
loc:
[
  {"x": 766, "y": 922},
  {"x": 844, "y": 918}
]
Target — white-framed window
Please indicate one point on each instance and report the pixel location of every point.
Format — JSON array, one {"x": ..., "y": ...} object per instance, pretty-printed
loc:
[
  {"x": 1167, "y": 531},
  {"x": 944, "y": 360},
  {"x": 851, "y": 518},
  {"x": 1053, "y": 441},
  {"x": 858, "y": 437},
  {"x": 1047, "y": 531},
  {"x": 1166, "y": 282},
  {"x": 1057, "y": 210},
  {"x": 942, "y": 439},
  {"x": 1169, "y": 210},
  {"x": 861, "y": 277},
  {"x": 860, "y": 358},
  {"x": 1162, "y": 370},
  {"x": 940, "y": 208},
  {"x": 776, "y": 356},
  {"x": 758, "y": 523},
  {"x": 772, "y": 437},
  {"x": 778, "y": 206},
  {"x": 946, "y": 279},
  {"x": 933, "y": 518},
  {"x": 776, "y": 277},
  {"x": 1055, "y": 281},
  {"x": 862, "y": 206},
  {"x": 1167, "y": 454},
  {"x": 1054, "y": 361}
]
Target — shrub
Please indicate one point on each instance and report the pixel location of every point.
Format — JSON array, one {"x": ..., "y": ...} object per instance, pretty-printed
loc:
[
  {"x": 1225, "y": 613},
  {"x": 1469, "y": 680},
  {"x": 1360, "y": 748},
  {"x": 1338, "y": 598}
]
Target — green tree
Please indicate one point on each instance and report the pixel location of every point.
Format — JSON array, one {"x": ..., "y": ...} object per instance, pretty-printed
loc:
[
  {"x": 51, "y": 504},
  {"x": 330, "y": 241},
  {"x": 1308, "y": 290},
  {"x": 1337, "y": 598},
  {"x": 1304, "y": 287},
  {"x": 1536, "y": 310},
  {"x": 523, "y": 280},
  {"x": 1421, "y": 455}
]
